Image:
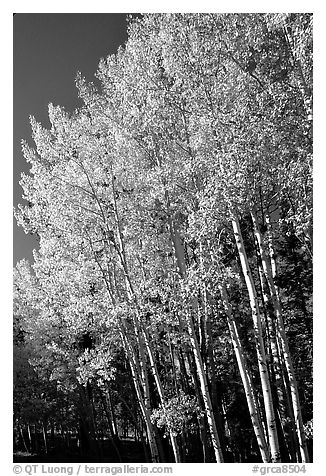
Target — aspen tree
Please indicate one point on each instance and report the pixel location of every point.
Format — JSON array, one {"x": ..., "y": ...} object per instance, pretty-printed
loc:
[{"x": 260, "y": 346}]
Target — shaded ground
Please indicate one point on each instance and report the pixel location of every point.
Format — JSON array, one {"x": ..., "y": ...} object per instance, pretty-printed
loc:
[{"x": 131, "y": 452}]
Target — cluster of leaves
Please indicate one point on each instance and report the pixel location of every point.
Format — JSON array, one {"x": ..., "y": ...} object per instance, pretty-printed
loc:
[
  {"x": 95, "y": 364},
  {"x": 309, "y": 429},
  {"x": 176, "y": 414}
]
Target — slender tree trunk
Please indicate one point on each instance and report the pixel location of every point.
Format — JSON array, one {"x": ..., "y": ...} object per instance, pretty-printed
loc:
[
  {"x": 180, "y": 257},
  {"x": 213, "y": 384},
  {"x": 111, "y": 432},
  {"x": 262, "y": 364},
  {"x": 138, "y": 425},
  {"x": 174, "y": 372},
  {"x": 137, "y": 366},
  {"x": 111, "y": 411},
  {"x": 29, "y": 437},
  {"x": 160, "y": 389},
  {"x": 99, "y": 446},
  {"x": 143, "y": 401},
  {"x": 23, "y": 439},
  {"x": 203, "y": 437},
  {"x": 284, "y": 343},
  {"x": 245, "y": 377},
  {"x": 205, "y": 392},
  {"x": 203, "y": 426},
  {"x": 139, "y": 329},
  {"x": 45, "y": 439},
  {"x": 52, "y": 434},
  {"x": 277, "y": 376}
]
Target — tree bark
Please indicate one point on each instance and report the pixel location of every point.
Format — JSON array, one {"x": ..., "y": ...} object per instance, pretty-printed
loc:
[
  {"x": 139, "y": 328},
  {"x": 260, "y": 348},
  {"x": 111, "y": 431},
  {"x": 45, "y": 439},
  {"x": 205, "y": 392},
  {"x": 143, "y": 401},
  {"x": 245, "y": 377},
  {"x": 23, "y": 439},
  {"x": 283, "y": 341}
]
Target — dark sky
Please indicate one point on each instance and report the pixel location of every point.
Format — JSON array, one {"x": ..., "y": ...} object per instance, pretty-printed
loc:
[{"x": 49, "y": 49}]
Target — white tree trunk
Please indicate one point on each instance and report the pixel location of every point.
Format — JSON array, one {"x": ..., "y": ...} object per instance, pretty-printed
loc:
[
  {"x": 283, "y": 341},
  {"x": 245, "y": 377},
  {"x": 179, "y": 252},
  {"x": 143, "y": 401},
  {"x": 261, "y": 356},
  {"x": 205, "y": 392}
]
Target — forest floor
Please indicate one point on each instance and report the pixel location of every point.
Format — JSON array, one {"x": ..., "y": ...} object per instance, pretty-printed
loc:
[{"x": 131, "y": 452}]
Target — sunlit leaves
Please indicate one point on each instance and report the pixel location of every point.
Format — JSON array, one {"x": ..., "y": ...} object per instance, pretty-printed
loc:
[{"x": 176, "y": 414}]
